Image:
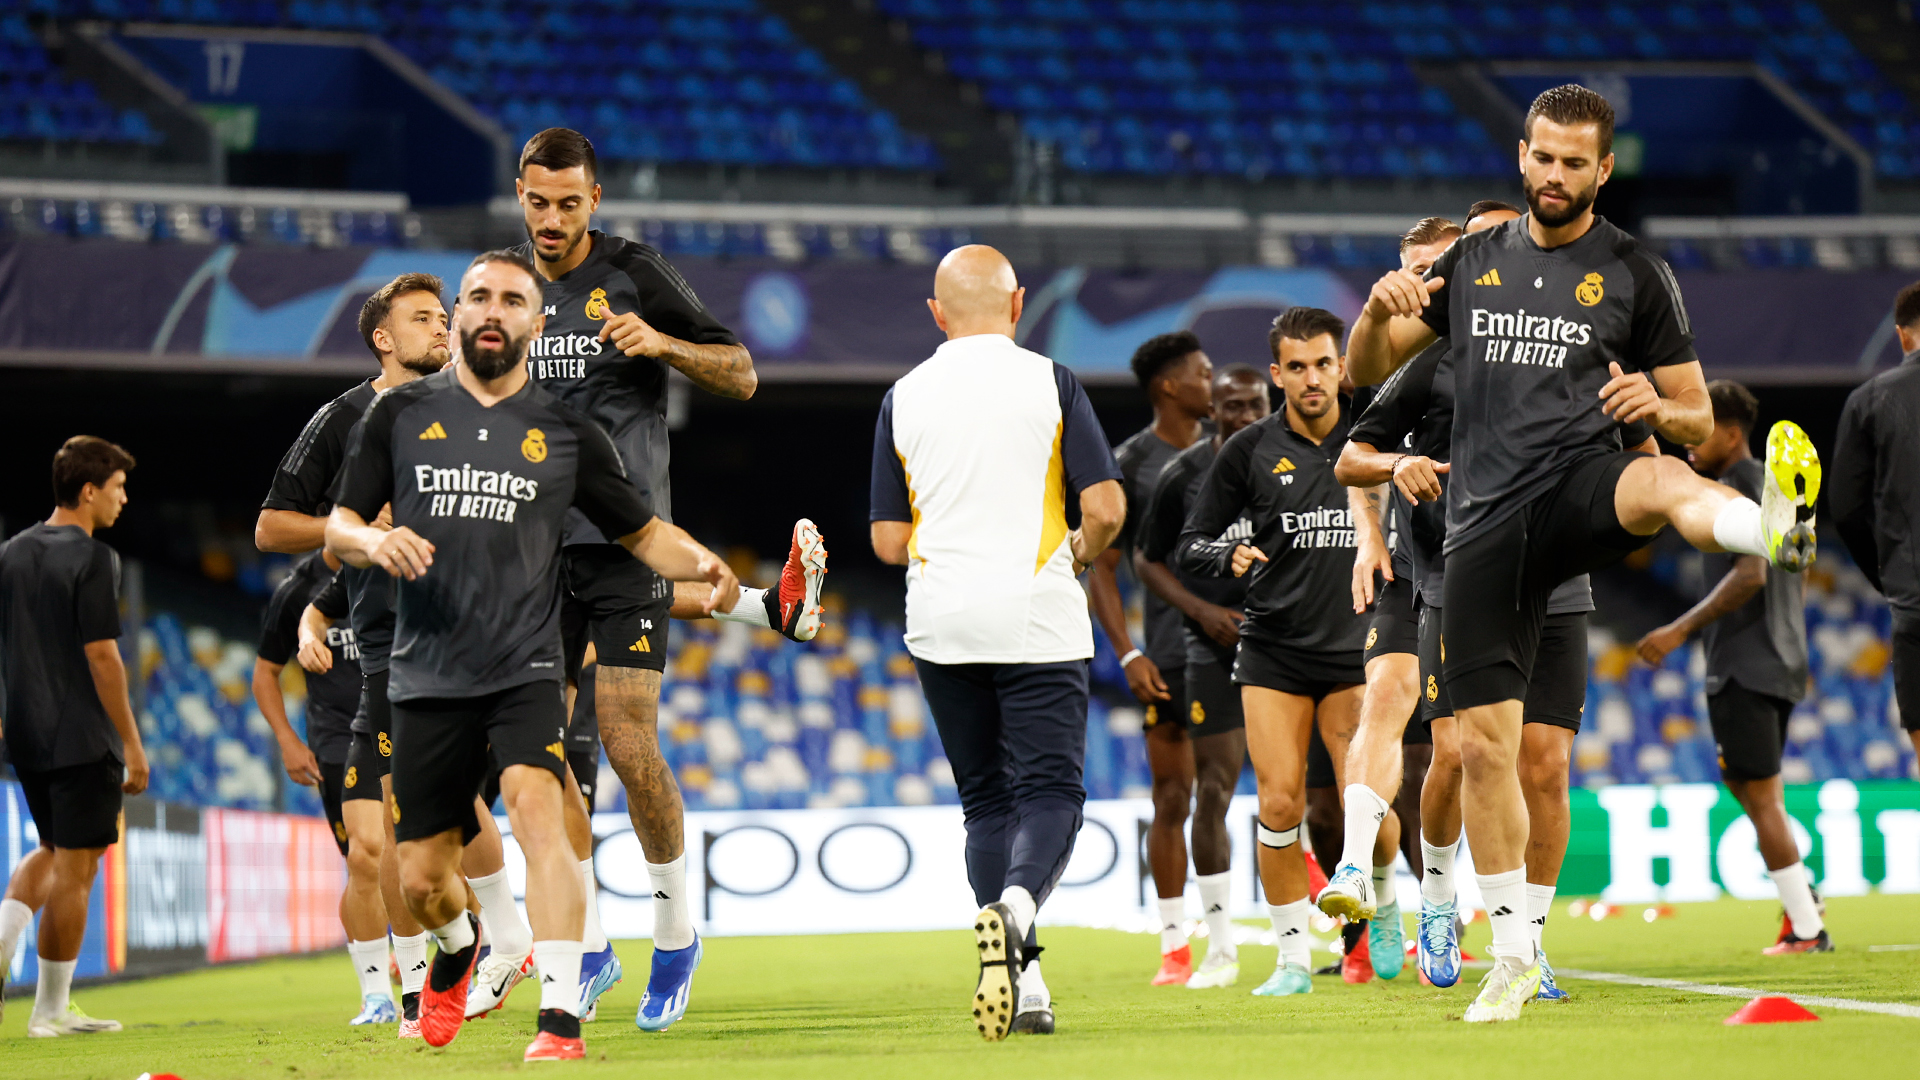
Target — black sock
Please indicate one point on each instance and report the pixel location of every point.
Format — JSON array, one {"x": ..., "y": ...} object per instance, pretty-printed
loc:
[
  {"x": 410, "y": 1006},
  {"x": 448, "y": 968},
  {"x": 559, "y": 1022}
]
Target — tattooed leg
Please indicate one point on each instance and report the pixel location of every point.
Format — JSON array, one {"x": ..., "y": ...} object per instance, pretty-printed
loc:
[{"x": 626, "y": 701}]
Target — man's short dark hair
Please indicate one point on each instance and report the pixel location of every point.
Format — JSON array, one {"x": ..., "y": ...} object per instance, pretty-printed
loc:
[
  {"x": 1305, "y": 324},
  {"x": 380, "y": 304},
  {"x": 1238, "y": 371},
  {"x": 1733, "y": 403},
  {"x": 560, "y": 148},
  {"x": 83, "y": 460},
  {"x": 1426, "y": 231},
  {"x": 1159, "y": 353},
  {"x": 1488, "y": 206},
  {"x": 1572, "y": 104},
  {"x": 508, "y": 256},
  {"x": 1906, "y": 307}
]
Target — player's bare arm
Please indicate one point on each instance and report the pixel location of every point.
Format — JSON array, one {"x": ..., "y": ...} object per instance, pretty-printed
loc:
[
  {"x": 110, "y": 682},
  {"x": 1103, "y": 596},
  {"x": 1743, "y": 583},
  {"x": 1370, "y": 544},
  {"x": 1416, "y": 477},
  {"x": 1389, "y": 330},
  {"x": 1222, "y": 624},
  {"x": 1103, "y": 509},
  {"x": 288, "y": 532},
  {"x": 726, "y": 370},
  {"x": 302, "y": 767},
  {"x": 1674, "y": 401},
  {"x": 890, "y": 541},
  {"x": 676, "y": 556},
  {"x": 401, "y": 552},
  {"x": 311, "y": 636}
]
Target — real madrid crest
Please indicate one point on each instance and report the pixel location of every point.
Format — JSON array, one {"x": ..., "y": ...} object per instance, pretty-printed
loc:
[
  {"x": 597, "y": 305},
  {"x": 534, "y": 446},
  {"x": 1590, "y": 291}
]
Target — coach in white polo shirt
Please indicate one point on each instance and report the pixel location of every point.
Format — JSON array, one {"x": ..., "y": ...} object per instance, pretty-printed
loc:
[{"x": 985, "y": 458}]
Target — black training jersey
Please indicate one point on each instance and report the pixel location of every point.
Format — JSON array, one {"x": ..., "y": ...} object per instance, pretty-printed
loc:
[
  {"x": 626, "y": 395},
  {"x": 1762, "y": 644},
  {"x": 59, "y": 591},
  {"x": 490, "y": 489},
  {"x": 1159, "y": 537},
  {"x": 332, "y": 695},
  {"x": 304, "y": 481},
  {"x": 1141, "y": 459},
  {"x": 1873, "y": 483},
  {"x": 1533, "y": 331},
  {"x": 1301, "y": 598}
]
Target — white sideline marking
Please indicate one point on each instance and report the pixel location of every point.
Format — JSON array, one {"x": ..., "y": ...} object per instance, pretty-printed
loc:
[
  {"x": 1887, "y": 1008},
  {"x": 1893, "y": 948}
]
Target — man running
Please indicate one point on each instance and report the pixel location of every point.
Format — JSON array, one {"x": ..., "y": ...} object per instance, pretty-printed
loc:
[
  {"x": 1299, "y": 660},
  {"x": 1210, "y": 724},
  {"x": 67, "y": 722},
  {"x": 332, "y": 665},
  {"x": 481, "y": 466},
  {"x": 1753, "y": 626},
  {"x": 1174, "y": 373},
  {"x": 1557, "y": 318},
  {"x": 619, "y": 316}
]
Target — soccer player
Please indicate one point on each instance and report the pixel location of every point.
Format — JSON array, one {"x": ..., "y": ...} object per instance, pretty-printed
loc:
[
  {"x": 332, "y": 665},
  {"x": 481, "y": 466},
  {"x": 619, "y": 316},
  {"x": 1875, "y": 495},
  {"x": 1299, "y": 659},
  {"x": 1753, "y": 625},
  {"x": 66, "y": 722},
  {"x": 1001, "y": 445},
  {"x": 1377, "y": 758},
  {"x": 1208, "y": 717},
  {"x": 1556, "y": 319},
  {"x": 1174, "y": 373}
]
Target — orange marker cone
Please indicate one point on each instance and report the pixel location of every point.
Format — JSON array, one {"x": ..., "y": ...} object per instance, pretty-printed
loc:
[{"x": 1770, "y": 1010}]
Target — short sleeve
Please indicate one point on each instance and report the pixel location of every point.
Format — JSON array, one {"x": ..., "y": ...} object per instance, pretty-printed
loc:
[
  {"x": 668, "y": 303},
  {"x": 97, "y": 596},
  {"x": 887, "y": 496},
  {"x": 304, "y": 475},
  {"x": 280, "y": 625},
  {"x": 1399, "y": 403},
  {"x": 1661, "y": 334},
  {"x": 332, "y": 600},
  {"x": 365, "y": 483},
  {"x": 1160, "y": 524},
  {"x": 1084, "y": 453},
  {"x": 601, "y": 487},
  {"x": 1438, "y": 317}
]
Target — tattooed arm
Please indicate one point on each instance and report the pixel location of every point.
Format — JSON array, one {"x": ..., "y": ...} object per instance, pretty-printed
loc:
[{"x": 726, "y": 370}]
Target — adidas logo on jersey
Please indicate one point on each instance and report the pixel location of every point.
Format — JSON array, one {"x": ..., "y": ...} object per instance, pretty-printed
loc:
[
  {"x": 1283, "y": 465},
  {"x": 434, "y": 431},
  {"x": 640, "y": 646},
  {"x": 1491, "y": 277}
]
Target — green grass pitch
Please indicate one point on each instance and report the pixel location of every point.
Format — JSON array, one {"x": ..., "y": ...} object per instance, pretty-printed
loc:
[{"x": 859, "y": 1006}]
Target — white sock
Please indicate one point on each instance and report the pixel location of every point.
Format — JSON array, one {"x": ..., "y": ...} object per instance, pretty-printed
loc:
[
  {"x": 370, "y": 964},
  {"x": 1173, "y": 911},
  {"x": 1365, "y": 811},
  {"x": 1031, "y": 983},
  {"x": 1436, "y": 881},
  {"x": 750, "y": 609},
  {"x": 56, "y": 983},
  {"x": 594, "y": 939},
  {"x": 559, "y": 963},
  {"x": 1506, "y": 898},
  {"x": 1382, "y": 883},
  {"x": 1796, "y": 895},
  {"x": 15, "y": 917},
  {"x": 507, "y": 932},
  {"x": 1290, "y": 931},
  {"x": 411, "y": 954},
  {"x": 672, "y": 922},
  {"x": 1021, "y": 903},
  {"x": 1539, "y": 905},
  {"x": 1737, "y": 528},
  {"x": 1216, "y": 903}
]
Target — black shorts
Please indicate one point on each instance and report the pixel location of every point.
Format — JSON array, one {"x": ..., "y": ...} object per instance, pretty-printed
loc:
[
  {"x": 1275, "y": 667},
  {"x": 1498, "y": 582},
  {"x": 617, "y": 602},
  {"x": 1319, "y": 761},
  {"x": 1434, "y": 702},
  {"x": 1557, "y": 693},
  {"x": 333, "y": 782},
  {"x": 1906, "y": 671},
  {"x": 1213, "y": 702},
  {"x": 370, "y": 756},
  {"x": 1749, "y": 731},
  {"x": 1394, "y": 628},
  {"x": 445, "y": 747},
  {"x": 1171, "y": 713},
  {"x": 586, "y": 773},
  {"x": 76, "y": 807}
]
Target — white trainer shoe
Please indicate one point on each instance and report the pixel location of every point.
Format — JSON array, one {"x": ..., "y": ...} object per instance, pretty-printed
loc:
[
  {"x": 71, "y": 1022},
  {"x": 493, "y": 980},
  {"x": 1348, "y": 894},
  {"x": 1217, "y": 972},
  {"x": 1504, "y": 991}
]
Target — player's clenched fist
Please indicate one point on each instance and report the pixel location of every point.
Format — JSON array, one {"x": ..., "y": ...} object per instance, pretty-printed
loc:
[
  {"x": 1418, "y": 478},
  {"x": 1401, "y": 292},
  {"x": 631, "y": 335},
  {"x": 1244, "y": 557},
  {"x": 403, "y": 553}
]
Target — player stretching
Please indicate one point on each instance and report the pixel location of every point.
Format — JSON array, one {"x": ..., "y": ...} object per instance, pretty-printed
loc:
[
  {"x": 1299, "y": 659},
  {"x": 1753, "y": 626},
  {"x": 618, "y": 317},
  {"x": 332, "y": 664},
  {"x": 478, "y": 508},
  {"x": 1556, "y": 318},
  {"x": 1208, "y": 717},
  {"x": 1175, "y": 375},
  {"x": 68, "y": 723}
]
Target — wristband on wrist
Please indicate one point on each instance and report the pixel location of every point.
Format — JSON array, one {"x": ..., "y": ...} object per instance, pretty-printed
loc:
[{"x": 1130, "y": 658}]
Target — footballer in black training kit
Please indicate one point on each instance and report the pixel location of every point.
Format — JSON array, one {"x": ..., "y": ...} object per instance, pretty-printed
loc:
[
  {"x": 333, "y": 690},
  {"x": 481, "y": 467}
]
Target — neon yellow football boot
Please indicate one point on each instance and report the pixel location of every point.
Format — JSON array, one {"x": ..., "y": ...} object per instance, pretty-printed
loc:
[{"x": 1787, "y": 496}]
